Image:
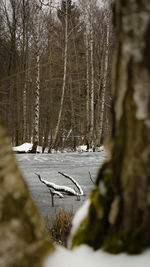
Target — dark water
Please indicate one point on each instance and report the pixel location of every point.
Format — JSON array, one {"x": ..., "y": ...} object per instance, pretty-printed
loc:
[{"x": 78, "y": 165}]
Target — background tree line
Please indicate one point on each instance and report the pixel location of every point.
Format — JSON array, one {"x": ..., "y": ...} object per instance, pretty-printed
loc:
[{"x": 55, "y": 66}]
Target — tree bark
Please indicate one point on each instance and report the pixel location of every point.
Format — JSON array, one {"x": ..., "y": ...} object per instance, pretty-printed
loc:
[
  {"x": 64, "y": 77},
  {"x": 103, "y": 93},
  {"x": 23, "y": 238},
  {"x": 92, "y": 143},
  {"x": 87, "y": 78},
  {"x": 119, "y": 213},
  {"x": 37, "y": 80}
]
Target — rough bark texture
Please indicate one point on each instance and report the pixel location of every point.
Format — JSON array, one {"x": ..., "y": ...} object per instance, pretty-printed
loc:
[
  {"x": 23, "y": 239},
  {"x": 119, "y": 214}
]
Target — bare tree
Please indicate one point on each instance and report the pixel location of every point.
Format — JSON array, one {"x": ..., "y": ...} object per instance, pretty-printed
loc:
[
  {"x": 37, "y": 81},
  {"x": 106, "y": 62},
  {"x": 65, "y": 72}
]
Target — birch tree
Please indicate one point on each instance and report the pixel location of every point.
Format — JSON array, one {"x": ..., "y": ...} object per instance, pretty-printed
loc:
[
  {"x": 103, "y": 89},
  {"x": 87, "y": 9},
  {"x": 66, "y": 3},
  {"x": 37, "y": 78},
  {"x": 92, "y": 75},
  {"x": 87, "y": 79},
  {"x": 24, "y": 48}
]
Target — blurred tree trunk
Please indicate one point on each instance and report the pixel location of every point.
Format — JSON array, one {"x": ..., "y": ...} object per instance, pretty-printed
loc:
[
  {"x": 23, "y": 238},
  {"x": 119, "y": 214}
]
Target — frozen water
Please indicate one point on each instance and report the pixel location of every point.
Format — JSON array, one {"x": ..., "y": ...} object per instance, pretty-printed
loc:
[{"x": 77, "y": 165}]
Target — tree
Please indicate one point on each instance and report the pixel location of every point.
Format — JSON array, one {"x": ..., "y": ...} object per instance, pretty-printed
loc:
[
  {"x": 65, "y": 9},
  {"x": 119, "y": 212},
  {"x": 37, "y": 78},
  {"x": 23, "y": 238},
  {"x": 106, "y": 62}
]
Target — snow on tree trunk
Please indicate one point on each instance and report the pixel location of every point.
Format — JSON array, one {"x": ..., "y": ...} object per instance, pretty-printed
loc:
[
  {"x": 37, "y": 81},
  {"x": 119, "y": 214},
  {"x": 23, "y": 238}
]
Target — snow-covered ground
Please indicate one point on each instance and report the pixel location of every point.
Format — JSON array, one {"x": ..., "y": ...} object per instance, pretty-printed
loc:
[
  {"x": 85, "y": 256},
  {"x": 26, "y": 147}
]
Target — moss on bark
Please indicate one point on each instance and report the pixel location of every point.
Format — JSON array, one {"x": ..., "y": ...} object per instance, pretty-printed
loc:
[{"x": 23, "y": 238}]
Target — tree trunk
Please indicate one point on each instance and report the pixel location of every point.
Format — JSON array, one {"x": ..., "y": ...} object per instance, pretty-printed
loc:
[
  {"x": 87, "y": 76},
  {"x": 64, "y": 77},
  {"x": 37, "y": 81},
  {"x": 103, "y": 92},
  {"x": 23, "y": 238},
  {"x": 92, "y": 143},
  {"x": 119, "y": 213}
]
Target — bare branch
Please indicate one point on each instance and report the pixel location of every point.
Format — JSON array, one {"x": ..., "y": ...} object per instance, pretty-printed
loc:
[
  {"x": 74, "y": 182},
  {"x": 58, "y": 188},
  {"x": 91, "y": 178}
]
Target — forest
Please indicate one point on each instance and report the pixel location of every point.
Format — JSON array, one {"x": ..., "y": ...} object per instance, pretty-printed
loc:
[
  {"x": 55, "y": 86},
  {"x": 76, "y": 72}
]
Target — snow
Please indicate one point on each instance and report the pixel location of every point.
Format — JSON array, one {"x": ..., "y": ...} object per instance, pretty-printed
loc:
[
  {"x": 57, "y": 188},
  {"x": 74, "y": 182},
  {"x": 26, "y": 147},
  {"x": 86, "y": 256},
  {"x": 79, "y": 216},
  {"x": 83, "y": 148}
]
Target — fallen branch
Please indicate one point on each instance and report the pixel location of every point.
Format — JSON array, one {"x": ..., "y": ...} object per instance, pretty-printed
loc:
[
  {"x": 74, "y": 181},
  {"x": 57, "y": 193},
  {"x": 58, "y": 188},
  {"x": 53, "y": 193}
]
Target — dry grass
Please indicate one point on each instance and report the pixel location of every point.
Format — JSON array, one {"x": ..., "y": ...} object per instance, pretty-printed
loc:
[{"x": 59, "y": 226}]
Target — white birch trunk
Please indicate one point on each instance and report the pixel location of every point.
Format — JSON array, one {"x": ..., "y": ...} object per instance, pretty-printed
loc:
[
  {"x": 24, "y": 73},
  {"x": 87, "y": 80},
  {"x": 37, "y": 81},
  {"x": 103, "y": 94},
  {"x": 64, "y": 78},
  {"x": 24, "y": 110},
  {"x": 92, "y": 79}
]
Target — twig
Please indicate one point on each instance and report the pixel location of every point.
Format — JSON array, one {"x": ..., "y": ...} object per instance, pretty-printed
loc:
[
  {"x": 52, "y": 197},
  {"x": 91, "y": 178}
]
